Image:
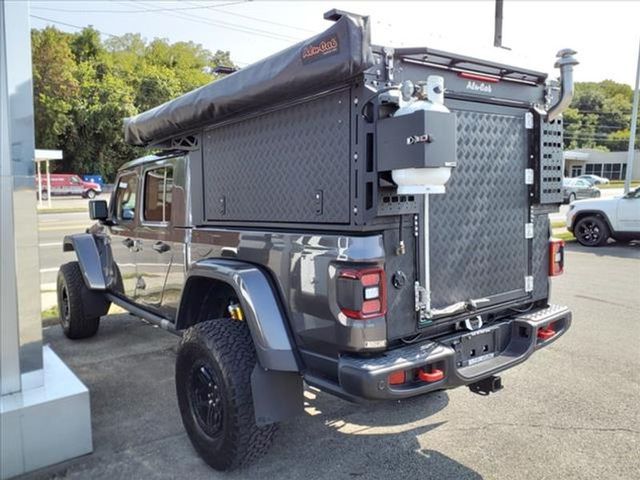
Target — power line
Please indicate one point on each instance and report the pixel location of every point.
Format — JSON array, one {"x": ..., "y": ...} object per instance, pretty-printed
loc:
[
  {"x": 70, "y": 25},
  {"x": 58, "y": 22},
  {"x": 227, "y": 25},
  {"x": 174, "y": 9},
  {"x": 248, "y": 17}
]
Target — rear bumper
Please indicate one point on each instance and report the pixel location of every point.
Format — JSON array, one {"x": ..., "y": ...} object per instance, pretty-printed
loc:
[{"x": 512, "y": 340}]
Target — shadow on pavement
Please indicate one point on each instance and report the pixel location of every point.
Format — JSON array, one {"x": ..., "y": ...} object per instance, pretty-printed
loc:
[
  {"x": 137, "y": 433},
  {"x": 611, "y": 249}
]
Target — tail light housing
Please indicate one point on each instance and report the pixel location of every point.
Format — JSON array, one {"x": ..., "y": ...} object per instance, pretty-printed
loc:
[
  {"x": 361, "y": 293},
  {"x": 556, "y": 257}
]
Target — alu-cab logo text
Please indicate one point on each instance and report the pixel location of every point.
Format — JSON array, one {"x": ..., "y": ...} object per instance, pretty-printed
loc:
[
  {"x": 478, "y": 86},
  {"x": 323, "y": 48}
]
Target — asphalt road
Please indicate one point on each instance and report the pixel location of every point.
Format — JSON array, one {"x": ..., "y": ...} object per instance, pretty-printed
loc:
[{"x": 571, "y": 411}]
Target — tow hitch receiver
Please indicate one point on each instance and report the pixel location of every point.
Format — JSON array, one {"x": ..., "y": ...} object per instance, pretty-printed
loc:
[{"x": 487, "y": 385}]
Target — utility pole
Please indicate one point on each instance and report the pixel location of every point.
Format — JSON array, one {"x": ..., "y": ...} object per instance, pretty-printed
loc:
[
  {"x": 634, "y": 126},
  {"x": 497, "y": 32}
]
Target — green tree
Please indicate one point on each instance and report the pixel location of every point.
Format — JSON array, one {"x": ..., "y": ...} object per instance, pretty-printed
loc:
[
  {"x": 84, "y": 88},
  {"x": 599, "y": 116},
  {"x": 55, "y": 86}
]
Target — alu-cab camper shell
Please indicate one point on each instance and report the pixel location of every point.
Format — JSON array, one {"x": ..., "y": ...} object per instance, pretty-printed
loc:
[{"x": 373, "y": 221}]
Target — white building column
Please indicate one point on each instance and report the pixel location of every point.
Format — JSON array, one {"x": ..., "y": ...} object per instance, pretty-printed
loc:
[{"x": 44, "y": 408}]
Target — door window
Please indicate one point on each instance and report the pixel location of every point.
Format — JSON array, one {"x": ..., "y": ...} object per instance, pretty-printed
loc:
[
  {"x": 125, "y": 199},
  {"x": 158, "y": 187}
]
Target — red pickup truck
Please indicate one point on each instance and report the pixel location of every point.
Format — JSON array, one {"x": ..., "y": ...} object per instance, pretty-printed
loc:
[{"x": 68, "y": 184}]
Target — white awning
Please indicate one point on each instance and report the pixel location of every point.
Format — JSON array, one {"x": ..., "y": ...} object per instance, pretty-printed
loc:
[
  {"x": 42, "y": 155},
  {"x": 573, "y": 155}
]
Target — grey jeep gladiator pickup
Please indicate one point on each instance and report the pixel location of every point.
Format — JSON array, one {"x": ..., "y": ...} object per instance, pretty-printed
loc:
[{"x": 369, "y": 221}]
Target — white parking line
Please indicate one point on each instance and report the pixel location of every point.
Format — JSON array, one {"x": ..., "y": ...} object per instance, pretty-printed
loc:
[{"x": 50, "y": 244}]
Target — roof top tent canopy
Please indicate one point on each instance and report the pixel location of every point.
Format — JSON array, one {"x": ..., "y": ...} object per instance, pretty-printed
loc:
[
  {"x": 45, "y": 156},
  {"x": 312, "y": 66},
  {"x": 319, "y": 64}
]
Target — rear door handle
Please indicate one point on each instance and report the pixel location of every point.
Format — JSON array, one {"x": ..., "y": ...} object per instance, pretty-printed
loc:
[{"x": 161, "y": 247}]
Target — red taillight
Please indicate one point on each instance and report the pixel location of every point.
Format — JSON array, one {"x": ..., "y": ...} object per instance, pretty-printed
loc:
[
  {"x": 397, "y": 378},
  {"x": 361, "y": 293},
  {"x": 479, "y": 77},
  {"x": 556, "y": 257}
]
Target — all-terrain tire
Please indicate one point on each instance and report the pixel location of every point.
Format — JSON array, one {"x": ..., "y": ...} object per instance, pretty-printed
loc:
[
  {"x": 79, "y": 307},
  {"x": 213, "y": 383}
]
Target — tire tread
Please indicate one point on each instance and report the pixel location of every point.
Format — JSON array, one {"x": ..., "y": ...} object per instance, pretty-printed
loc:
[{"x": 231, "y": 345}]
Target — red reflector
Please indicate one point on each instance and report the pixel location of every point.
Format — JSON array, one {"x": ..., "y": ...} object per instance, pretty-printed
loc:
[
  {"x": 370, "y": 279},
  {"x": 434, "y": 375},
  {"x": 556, "y": 257},
  {"x": 546, "y": 333},
  {"x": 397, "y": 378},
  {"x": 477, "y": 76},
  {"x": 371, "y": 306}
]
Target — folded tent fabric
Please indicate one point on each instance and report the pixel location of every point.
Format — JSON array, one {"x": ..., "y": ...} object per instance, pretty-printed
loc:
[{"x": 321, "y": 62}]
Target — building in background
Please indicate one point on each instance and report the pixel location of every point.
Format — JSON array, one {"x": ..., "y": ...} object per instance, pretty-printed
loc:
[{"x": 611, "y": 165}]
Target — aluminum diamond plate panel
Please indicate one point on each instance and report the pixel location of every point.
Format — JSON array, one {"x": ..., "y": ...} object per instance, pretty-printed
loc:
[
  {"x": 290, "y": 165},
  {"x": 477, "y": 227}
]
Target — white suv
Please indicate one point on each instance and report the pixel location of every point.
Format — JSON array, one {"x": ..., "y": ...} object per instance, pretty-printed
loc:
[{"x": 593, "y": 221}]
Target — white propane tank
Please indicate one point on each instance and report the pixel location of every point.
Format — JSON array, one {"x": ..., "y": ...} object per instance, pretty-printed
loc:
[{"x": 423, "y": 180}]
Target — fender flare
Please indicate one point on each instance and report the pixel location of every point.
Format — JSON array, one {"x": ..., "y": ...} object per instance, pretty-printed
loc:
[
  {"x": 88, "y": 255},
  {"x": 597, "y": 213},
  {"x": 262, "y": 310}
]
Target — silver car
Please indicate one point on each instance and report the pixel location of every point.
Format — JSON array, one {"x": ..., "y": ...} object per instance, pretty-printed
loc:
[
  {"x": 578, "y": 188},
  {"x": 594, "y": 179}
]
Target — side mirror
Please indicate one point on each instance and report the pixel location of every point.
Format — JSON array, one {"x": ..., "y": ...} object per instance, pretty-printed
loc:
[{"x": 98, "y": 210}]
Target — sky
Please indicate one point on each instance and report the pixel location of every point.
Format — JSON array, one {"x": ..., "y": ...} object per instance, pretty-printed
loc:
[{"x": 606, "y": 34}]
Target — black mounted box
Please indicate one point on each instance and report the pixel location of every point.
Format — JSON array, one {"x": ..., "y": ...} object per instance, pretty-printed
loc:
[{"x": 424, "y": 138}]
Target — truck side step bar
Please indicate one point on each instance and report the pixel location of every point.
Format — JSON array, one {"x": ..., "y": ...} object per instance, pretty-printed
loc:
[{"x": 144, "y": 314}]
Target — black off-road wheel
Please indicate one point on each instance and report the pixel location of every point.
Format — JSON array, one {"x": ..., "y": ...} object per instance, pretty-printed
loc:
[
  {"x": 591, "y": 231},
  {"x": 213, "y": 383},
  {"x": 79, "y": 307}
]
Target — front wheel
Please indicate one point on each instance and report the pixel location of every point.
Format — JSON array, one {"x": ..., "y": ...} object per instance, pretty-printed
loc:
[
  {"x": 572, "y": 197},
  {"x": 79, "y": 308},
  {"x": 213, "y": 384},
  {"x": 91, "y": 194},
  {"x": 591, "y": 231}
]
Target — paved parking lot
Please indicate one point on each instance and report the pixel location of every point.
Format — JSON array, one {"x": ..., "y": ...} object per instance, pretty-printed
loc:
[{"x": 570, "y": 412}]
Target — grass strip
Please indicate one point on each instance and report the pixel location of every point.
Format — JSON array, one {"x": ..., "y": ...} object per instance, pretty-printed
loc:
[{"x": 45, "y": 211}]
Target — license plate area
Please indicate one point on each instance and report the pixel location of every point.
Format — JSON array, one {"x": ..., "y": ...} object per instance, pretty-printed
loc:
[{"x": 476, "y": 347}]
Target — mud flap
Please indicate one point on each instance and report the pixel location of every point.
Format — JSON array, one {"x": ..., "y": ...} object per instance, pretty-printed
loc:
[{"x": 276, "y": 395}]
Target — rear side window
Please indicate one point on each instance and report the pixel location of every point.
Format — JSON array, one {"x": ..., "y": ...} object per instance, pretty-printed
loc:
[
  {"x": 158, "y": 187},
  {"x": 125, "y": 200}
]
